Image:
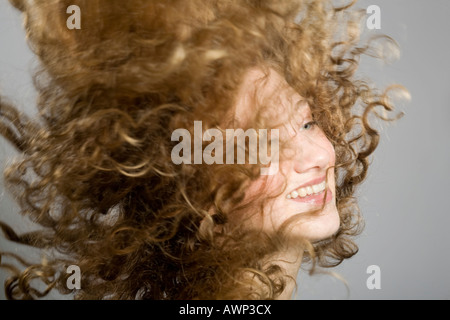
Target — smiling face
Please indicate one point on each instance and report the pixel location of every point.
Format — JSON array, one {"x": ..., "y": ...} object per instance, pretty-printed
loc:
[{"x": 306, "y": 167}]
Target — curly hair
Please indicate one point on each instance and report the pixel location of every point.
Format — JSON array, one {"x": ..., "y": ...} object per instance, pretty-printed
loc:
[{"x": 95, "y": 172}]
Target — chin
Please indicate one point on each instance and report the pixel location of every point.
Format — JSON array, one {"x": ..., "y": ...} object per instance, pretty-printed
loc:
[{"x": 319, "y": 226}]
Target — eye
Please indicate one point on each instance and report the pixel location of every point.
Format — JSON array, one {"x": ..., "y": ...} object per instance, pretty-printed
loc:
[{"x": 309, "y": 125}]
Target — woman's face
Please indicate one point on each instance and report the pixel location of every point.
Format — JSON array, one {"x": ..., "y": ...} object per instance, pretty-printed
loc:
[{"x": 308, "y": 169}]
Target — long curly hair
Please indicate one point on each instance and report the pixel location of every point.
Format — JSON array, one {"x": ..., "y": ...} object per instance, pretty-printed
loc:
[{"x": 95, "y": 171}]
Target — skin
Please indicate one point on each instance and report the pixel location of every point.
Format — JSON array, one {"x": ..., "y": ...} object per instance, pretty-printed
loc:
[{"x": 309, "y": 155}]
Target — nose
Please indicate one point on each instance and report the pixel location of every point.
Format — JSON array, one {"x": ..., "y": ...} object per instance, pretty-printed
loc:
[{"x": 313, "y": 153}]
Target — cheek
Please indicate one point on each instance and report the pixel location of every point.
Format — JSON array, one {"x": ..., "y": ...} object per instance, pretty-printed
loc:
[
  {"x": 267, "y": 186},
  {"x": 263, "y": 191}
]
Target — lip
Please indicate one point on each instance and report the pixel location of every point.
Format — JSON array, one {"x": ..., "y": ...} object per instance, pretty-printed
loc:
[{"x": 311, "y": 183}]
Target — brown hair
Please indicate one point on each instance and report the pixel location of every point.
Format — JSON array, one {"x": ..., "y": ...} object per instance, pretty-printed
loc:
[{"x": 96, "y": 174}]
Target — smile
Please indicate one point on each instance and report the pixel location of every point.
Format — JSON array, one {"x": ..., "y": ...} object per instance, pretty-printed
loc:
[{"x": 308, "y": 190}]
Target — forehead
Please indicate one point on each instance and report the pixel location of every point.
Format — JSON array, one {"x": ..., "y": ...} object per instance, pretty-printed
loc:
[{"x": 267, "y": 92}]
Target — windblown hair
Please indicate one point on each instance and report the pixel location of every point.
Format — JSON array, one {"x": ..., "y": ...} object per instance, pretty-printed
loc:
[{"x": 95, "y": 172}]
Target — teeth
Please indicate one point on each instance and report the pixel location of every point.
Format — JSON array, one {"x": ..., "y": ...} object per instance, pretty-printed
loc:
[
  {"x": 316, "y": 188},
  {"x": 302, "y": 192},
  {"x": 307, "y": 191}
]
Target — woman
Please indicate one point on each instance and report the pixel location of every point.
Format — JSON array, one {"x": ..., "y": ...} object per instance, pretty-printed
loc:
[{"x": 98, "y": 173}]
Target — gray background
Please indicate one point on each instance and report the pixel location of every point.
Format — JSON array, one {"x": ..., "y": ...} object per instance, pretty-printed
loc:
[{"x": 405, "y": 197}]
